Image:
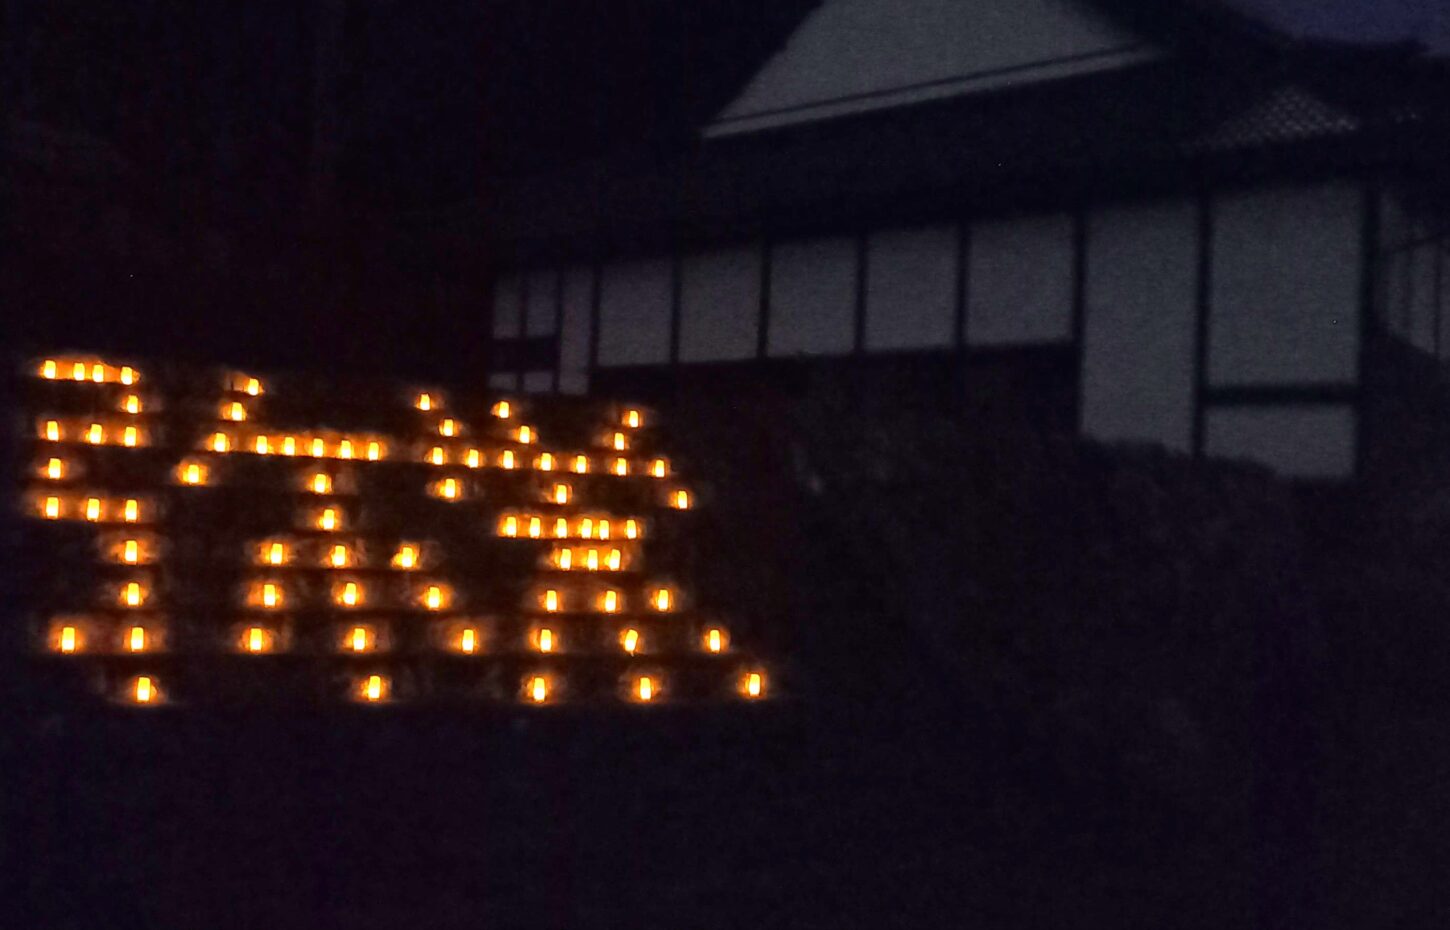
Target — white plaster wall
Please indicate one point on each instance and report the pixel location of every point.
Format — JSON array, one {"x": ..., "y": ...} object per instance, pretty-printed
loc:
[
  {"x": 854, "y": 55},
  {"x": 1138, "y": 338},
  {"x": 1019, "y": 282},
  {"x": 911, "y": 277},
  {"x": 574, "y": 330},
  {"x": 720, "y": 304},
  {"x": 541, "y": 312},
  {"x": 634, "y": 313},
  {"x": 1300, "y": 441},
  {"x": 812, "y": 297},
  {"x": 538, "y": 382},
  {"x": 507, "y": 297},
  {"x": 1285, "y": 279}
]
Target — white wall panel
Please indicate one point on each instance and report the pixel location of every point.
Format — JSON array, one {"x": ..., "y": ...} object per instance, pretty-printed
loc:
[
  {"x": 503, "y": 381},
  {"x": 538, "y": 382},
  {"x": 1285, "y": 285},
  {"x": 911, "y": 283},
  {"x": 720, "y": 305},
  {"x": 1019, "y": 283},
  {"x": 812, "y": 297},
  {"x": 1301, "y": 441},
  {"x": 574, "y": 326},
  {"x": 1138, "y": 338},
  {"x": 507, "y": 307},
  {"x": 634, "y": 313},
  {"x": 541, "y": 310}
]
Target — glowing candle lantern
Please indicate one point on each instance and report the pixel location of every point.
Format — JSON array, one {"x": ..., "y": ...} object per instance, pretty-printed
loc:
[
  {"x": 375, "y": 450},
  {"x": 55, "y": 469},
  {"x": 586, "y": 528},
  {"x": 69, "y": 640},
  {"x": 662, "y": 600},
  {"x": 659, "y": 468},
  {"x": 93, "y": 509},
  {"x": 680, "y": 500},
  {"x": 545, "y": 462},
  {"x": 473, "y": 458},
  {"x": 406, "y": 557},
  {"x": 545, "y": 640},
  {"x": 253, "y": 387},
  {"x": 551, "y": 601},
  {"x": 506, "y": 460},
  {"x": 621, "y": 466},
  {"x": 632, "y": 419},
  {"x": 289, "y": 445},
  {"x": 339, "y": 556},
  {"x": 433, "y": 597},
  {"x": 350, "y": 595},
  {"x": 424, "y": 402},
  {"x": 271, "y": 595},
  {"x": 131, "y": 552},
  {"x": 47, "y": 369},
  {"x": 436, "y": 456},
  {"x": 591, "y": 560},
  {"x": 561, "y": 494},
  {"x": 275, "y": 554},
  {"x": 327, "y": 520},
  {"x": 131, "y": 403},
  {"x": 52, "y": 430},
  {"x": 136, "y": 639},
  {"x": 644, "y": 688},
  {"x": 609, "y": 602},
  {"x": 144, "y": 691},
  {"x": 536, "y": 527},
  {"x": 561, "y": 528},
  {"x": 564, "y": 558},
  {"x": 131, "y": 511},
  {"x": 344, "y": 449},
  {"x": 132, "y": 594},
  {"x": 614, "y": 560},
  {"x": 318, "y": 448},
  {"x": 618, "y": 442},
  {"x": 539, "y": 689},
  {"x": 603, "y": 529},
  {"x": 128, "y": 375},
  {"x": 321, "y": 483},
  {"x": 502, "y": 410},
  {"x": 51, "y": 508},
  {"x": 78, "y": 371},
  {"x": 580, "y": 466},
  {"x": 448, "y": 489},
  {"x": 234, "y": 411},
  {"x": 193, "y": 473},
  {"x": 525, "y": 435},
  {"x": 509, "y": 527},
  {"x": 752, "y": 685},
  {"x": 714, "y": 640},
  {"x": 257, "y": 639},
  {"x": 359, "y": 640},
  {"x": 95, "y": 434},
  {"x": 448, "y": 427},
  {"x": 468, "y": 641},
  {"x": 220, "y": 442},
  {"x": 263, "y": 445},
  {"x": 374, "y": 688},
  {"x": 98, "y": 373},
  {"x": 629, "y": 641}
]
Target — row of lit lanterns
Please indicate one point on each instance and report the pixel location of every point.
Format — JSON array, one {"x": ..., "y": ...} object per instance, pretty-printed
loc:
[
  {"x": 76, "y": 637},
  {"x": 534, "y": 688}
]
